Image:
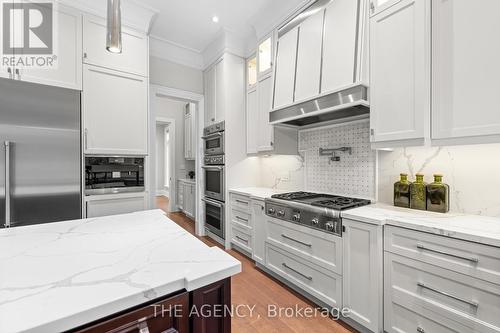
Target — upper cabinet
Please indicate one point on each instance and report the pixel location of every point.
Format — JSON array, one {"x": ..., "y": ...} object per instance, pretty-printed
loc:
[
  {"x": 214, "y": 93},
  {"x": 284, "y": 77},
  {"x": 265, "y": 53},
  {"x": 190, "y": 136},
  {"x": 400, "y": 73},
  {"x": 68, "y": 73},
  {"x": 465, "y": 70},
  {"x": 376, "y": 6},
  {"x": 134, "y": 57},
  {"x": 251, "y": 72},
  {"x": 115, "y": 117}
]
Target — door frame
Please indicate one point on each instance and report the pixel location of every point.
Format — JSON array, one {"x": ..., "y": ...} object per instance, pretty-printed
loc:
[
  {"x": 158, "y": 91},
  {"x": 170, "y": 122}
]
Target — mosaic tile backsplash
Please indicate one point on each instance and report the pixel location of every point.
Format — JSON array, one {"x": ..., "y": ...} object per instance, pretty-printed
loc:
[{"x": 354, "y": 175}]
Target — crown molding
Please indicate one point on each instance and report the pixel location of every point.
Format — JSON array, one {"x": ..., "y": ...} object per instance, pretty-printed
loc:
[
  {"x": 174, "y": 52},
  {"x": 135, "y": 14}
]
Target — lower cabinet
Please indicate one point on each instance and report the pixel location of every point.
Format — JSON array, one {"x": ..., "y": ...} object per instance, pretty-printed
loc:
[
  {"x": 363, "y": 273},
  {"x": 184, "y": 312},
  {"x": 114, "y": 206},
  {"x": 259, "y": 231},
  {"x": 186, "y": 198}
]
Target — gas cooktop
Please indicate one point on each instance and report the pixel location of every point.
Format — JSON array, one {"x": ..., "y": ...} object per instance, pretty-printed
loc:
[
  {"x": 322, "y": 200},
  {"x": 318, "y": 211}
]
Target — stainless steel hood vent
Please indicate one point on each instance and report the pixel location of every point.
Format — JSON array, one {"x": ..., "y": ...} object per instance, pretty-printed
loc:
[{"x": 342, "y": 106}]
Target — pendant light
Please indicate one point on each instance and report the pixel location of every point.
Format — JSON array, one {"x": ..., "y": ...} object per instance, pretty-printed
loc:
[{"x": 114, "y": 32}]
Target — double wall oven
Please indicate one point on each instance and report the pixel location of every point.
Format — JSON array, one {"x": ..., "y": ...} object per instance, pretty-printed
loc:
[{"x": 215, "y": 180}]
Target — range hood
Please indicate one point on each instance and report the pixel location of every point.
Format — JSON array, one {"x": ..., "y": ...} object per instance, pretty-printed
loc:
[{"x": 342, "y": 106}]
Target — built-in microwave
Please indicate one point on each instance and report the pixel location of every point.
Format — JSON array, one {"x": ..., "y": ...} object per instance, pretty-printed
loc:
[
  {"x": 108, "y": 175},
  {"x": 215, "y": 217},
  {"x": 213, "y": 137},
  {"x": 214, "y": 182}
]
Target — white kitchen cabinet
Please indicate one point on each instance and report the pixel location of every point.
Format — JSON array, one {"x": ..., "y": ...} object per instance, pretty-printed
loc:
[
  {"x": 114, "y": 206},
  {"x": 265, "y": 138},
  {"x": 363, "y": 273},
  {"x": 400, "y": 73},
  {"x": 252, "y": 121},
  {"x": 189, "y": 132},
  {"x": 259, "y": 231},
  {"x": 134, "y": 56},
  {"x": 377, "y": 6},
  {"x": 339, "y": 45},
  {"x": 465, "y": 67},
  {"x": 284, "y": 77},
  {"x": 251, "y": 72},
  {"x": 115, "y": 112},
  {"x": 309, "y": 57},
  {"x": 265, "y": 56},
  {"x": 180, "y": 195},
  {"x": 68, "y": 72},
  {"x": 214, "y": 93}
]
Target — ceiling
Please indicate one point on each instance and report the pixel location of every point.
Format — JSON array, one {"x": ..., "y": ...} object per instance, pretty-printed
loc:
[{"x": 188, "y": 23}]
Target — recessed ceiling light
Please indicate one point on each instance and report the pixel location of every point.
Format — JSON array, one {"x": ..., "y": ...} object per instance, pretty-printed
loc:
[{"x": 215, "y": 19}]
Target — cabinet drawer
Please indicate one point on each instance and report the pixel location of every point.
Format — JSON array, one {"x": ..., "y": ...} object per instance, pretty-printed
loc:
[
  {"x": 106, "y": 207},
  {"x": 313, "y": 279},
  {"x": 240, "y": 202},
  {"x": 241, "y": 239},
  {"x": 318, "y": 247},
  {"x": 241, "y": 219},
  {"x": 477, "y": 260},
  {"x": 436, "y": 291},
  {"x": 405, "y": 320}
]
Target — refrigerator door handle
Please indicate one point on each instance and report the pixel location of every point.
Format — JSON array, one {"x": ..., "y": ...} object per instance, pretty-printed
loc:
[{"x": 7, "y": 184}]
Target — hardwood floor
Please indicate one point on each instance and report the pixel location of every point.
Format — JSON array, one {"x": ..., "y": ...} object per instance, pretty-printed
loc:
[{"x": 254, "y": 287}]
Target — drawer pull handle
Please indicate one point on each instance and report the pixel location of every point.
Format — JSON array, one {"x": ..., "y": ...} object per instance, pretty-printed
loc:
[
  {"x": 297, "y": 272},
  {"x": 242, "y": 239},
  {"x": 296, "y": 240},
  {"x": 421, "y": 247},
  {"x": 471, "y": 303},
  {"x": 420, "y": 330},
  {"x": 241, "y": 219},
  {"x": 242, "y": 202}
]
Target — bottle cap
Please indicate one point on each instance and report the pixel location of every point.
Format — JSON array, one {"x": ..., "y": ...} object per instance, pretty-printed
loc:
[
  {"x": 403, "y": 174},
  {"x": 438, "y": 175}
]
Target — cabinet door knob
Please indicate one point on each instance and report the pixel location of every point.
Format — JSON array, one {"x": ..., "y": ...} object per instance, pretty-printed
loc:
[
  {"x": 9, "y": 70},
  {"x": 372, "y": 7}
]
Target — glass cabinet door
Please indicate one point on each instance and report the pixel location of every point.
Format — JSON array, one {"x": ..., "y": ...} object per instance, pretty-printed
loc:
[
  {"x": 251, "y": 72},
  {"x": 265, "y": 54},
  {"x": 376, "y": 6}
]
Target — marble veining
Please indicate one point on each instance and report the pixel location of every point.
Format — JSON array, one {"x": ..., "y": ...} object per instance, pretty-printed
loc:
[
  {"x": 474, "y": 228},
  {"x": 471, "y": 171},
  {"x": 70, "y": 273},
  {"x": 260, "y": 193}
]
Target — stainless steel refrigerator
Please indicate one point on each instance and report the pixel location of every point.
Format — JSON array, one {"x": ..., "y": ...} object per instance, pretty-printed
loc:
[{"x": 40, "y": 154}]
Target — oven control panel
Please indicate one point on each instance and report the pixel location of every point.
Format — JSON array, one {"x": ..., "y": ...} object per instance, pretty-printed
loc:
[{"x": 214, "y": 160}]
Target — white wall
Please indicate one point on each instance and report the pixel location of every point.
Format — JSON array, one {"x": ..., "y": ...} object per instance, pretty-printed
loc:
[
  {"x": 169, "y": 74},
  {"x": 160, "y": 157}
]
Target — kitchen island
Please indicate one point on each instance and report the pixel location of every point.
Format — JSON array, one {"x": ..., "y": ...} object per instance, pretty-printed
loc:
[{"x": 77, "y": 275}]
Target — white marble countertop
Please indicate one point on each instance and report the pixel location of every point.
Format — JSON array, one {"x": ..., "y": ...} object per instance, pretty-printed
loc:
[
  {"x": 58, "y": 276},
  {"x": 474, "y": 228},
  {"x": 257, "y": 192},
  {"x": 187, "y": 180}
]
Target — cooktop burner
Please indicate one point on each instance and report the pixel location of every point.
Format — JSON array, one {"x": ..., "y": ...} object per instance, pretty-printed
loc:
[{"x": 322, "y": 200}]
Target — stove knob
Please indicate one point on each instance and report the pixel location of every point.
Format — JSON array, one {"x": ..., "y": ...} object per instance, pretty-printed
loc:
[
  {"x": 281, "y": 213},
  {"x": 296, "y": 217},
  {"x": 271, "y": 211},
  {"x": 315, "y": 221},
  {"x": 329, "y": 226}
]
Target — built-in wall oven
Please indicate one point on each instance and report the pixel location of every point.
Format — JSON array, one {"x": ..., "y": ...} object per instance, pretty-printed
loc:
[
  {"x": 213, "y": 137},
  {"x": 215, "y": 217},
  {"x": 214, "y": 182}
]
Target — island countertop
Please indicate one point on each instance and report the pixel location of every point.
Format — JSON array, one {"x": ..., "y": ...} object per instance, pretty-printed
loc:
[{"x": 58, "y": 276}]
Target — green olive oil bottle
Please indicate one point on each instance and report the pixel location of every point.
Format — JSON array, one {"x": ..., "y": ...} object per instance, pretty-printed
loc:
[
  {"x": 418, "y": 193},
  {"x": 438, "y": 196},
  {"x": 402, "y": 192}
]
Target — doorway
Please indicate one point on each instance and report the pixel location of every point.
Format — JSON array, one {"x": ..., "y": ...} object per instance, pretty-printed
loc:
[{"x": 174, "y": 162}]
